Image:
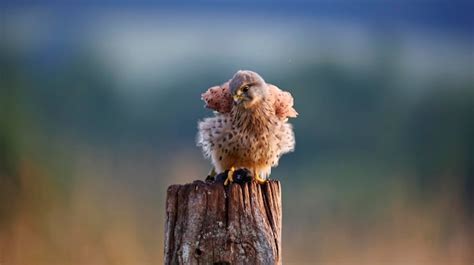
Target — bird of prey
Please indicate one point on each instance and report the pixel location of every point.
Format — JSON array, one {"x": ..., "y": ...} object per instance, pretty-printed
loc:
[{"x": 249, "y": 128}]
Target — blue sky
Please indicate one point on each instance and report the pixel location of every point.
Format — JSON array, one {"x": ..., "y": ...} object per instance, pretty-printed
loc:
[{"x": 456, "y": 15}]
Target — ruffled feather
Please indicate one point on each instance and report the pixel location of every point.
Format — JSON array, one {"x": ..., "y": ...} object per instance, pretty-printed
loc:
[{"x": 219, "y": 99}]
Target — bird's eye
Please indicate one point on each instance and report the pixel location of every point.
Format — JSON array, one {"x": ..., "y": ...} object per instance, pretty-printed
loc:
[{"x": 245, "y": 88}]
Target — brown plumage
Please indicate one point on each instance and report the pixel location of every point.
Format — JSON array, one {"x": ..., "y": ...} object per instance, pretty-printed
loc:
[
  {"x": 249, "y": 129},
  {"x": 219, "y": 98}
]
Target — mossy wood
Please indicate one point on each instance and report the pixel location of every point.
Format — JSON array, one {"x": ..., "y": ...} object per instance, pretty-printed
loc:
[{"x": 209, "y": 223}]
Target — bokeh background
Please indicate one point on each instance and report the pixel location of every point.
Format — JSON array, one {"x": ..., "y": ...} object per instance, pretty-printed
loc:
[{"x": 99, "y": 105}]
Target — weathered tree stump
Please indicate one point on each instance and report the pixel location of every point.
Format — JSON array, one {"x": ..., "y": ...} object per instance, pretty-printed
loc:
[{"x": 209, "y": 223}]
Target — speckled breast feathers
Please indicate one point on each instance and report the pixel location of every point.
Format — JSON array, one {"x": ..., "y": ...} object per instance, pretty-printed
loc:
[{"x": 249, "y": 128}]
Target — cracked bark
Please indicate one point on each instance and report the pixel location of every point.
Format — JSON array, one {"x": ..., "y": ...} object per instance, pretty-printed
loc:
[{"x": 207, "y": 223}]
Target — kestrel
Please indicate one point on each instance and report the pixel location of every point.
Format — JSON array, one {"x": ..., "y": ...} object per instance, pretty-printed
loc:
[{"x": 249, "y": 129}]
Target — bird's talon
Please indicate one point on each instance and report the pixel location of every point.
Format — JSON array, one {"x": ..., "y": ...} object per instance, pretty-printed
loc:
[
  {"x": 259, "y": 179},
  {"x": 230, "y": 176}
]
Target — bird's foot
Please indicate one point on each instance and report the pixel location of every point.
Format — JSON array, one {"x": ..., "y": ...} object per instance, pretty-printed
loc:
[
  {"x": 230, "y": 176},
  {"x": 259, "y": 179},
  {"x": 239, "y": 176}
]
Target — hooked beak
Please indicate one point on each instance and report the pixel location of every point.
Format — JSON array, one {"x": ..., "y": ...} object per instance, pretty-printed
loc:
[{"x": 238, "y": 97}]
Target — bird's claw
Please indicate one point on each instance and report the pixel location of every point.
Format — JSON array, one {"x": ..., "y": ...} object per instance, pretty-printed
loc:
[
  {"x": 259, "y": 179},
  {"x": 230, "y": 176},
  {"x": 240, "y": 176}
]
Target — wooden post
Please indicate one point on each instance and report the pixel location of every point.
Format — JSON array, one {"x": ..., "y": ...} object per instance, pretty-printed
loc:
[{"x": 209, "y": 223}]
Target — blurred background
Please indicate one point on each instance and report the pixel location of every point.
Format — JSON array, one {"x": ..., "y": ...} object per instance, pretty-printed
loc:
[{"x": 99, "y": 105}]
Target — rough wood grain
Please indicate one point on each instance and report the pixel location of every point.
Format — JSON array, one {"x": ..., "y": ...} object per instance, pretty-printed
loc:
[{"x": 208, "y": 223}]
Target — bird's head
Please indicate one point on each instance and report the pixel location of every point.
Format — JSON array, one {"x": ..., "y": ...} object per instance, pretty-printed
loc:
[{"x": 248, "y": 88}]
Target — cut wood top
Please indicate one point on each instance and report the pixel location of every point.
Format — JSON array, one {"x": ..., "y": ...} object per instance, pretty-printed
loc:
[{"x": 208, "y": 223}]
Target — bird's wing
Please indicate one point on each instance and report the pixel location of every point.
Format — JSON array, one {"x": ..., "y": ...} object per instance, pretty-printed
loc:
[
  {"x": 218, "y": 98},
  {"x": 283, "y": 103}
]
